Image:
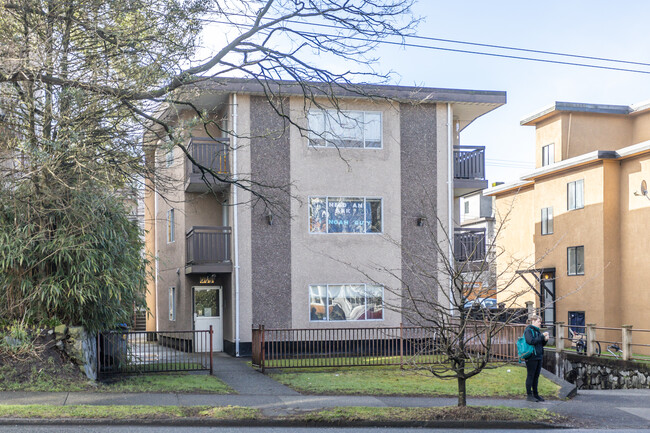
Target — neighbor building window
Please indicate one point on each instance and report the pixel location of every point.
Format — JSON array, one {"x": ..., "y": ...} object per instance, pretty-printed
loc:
[
  {"x": 341, "y": 302},
  {"x": 345, "y": 215},
  {"x": 547, "y": 221},
  {"x": 575, "y": 192},
  {"x": 548, "y": 154},
  {"x": 575, "y": 260},
  {"x": 334, "y": 128},
  {"x": 171, "y": 231},
  {"x": 172, "y": 304},
  {"x": 169, "y": 158}
]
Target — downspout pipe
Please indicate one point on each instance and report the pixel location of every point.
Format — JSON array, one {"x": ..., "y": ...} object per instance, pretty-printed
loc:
[
  {"x": 235, "y": 220},
  {"x": 450, "y": 201}
]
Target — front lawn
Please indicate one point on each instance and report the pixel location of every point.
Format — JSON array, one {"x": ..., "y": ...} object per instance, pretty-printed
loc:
[{"x": 503, "y": 381}]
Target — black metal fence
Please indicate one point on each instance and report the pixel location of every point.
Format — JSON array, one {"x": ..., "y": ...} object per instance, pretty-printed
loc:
[{"x": 136, "y": 352}]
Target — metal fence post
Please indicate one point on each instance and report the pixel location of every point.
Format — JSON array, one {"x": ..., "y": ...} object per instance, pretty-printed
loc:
[
  {"x": 591, "y": 338},
  {"x": 211, "y": 332},
  {"x": 401, "y": 345},
  {"x": 559, "y": 337},
  {"x": 626, "y": 342},
  {"x": 261, "y": 327}
]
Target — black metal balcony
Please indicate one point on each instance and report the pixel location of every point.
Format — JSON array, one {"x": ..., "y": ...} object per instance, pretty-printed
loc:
[
  {"x": 209, "y": 154},
  {"x": 469, "y": 244},
  {"x": 208, "y": 250},
  {"x": 469, "y": 169}
]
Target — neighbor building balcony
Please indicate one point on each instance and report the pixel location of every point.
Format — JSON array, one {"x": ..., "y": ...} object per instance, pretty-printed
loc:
[
  {"x": 469, "y": 244},
  {"x": 207, "y": 157},
  {"x": 469, "y": 169},
  {"x": 208, "y": 250}
]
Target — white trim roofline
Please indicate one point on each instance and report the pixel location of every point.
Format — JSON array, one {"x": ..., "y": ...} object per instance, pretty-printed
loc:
[{"x": 596, "y": 155}]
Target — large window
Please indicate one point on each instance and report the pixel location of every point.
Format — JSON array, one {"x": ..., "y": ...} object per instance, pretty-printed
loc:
[
  {"x": 345, "y": 215},
  {"x": 575, "y": 195},
  {"x": 547, "y": 221},
  {"x": 575, "y": 260},
  {"x": 340, "y": 302},
  {"x": 172, "y": 304},
  {"x": 171, "y": 230},
  {"x": 548, "y": 154},
  {"x": 333, "y": 128}
]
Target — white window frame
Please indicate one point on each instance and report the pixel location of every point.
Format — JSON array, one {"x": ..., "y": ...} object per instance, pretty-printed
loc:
[
  {"x": 327, "y": 135},
  {"x": 326, "y": 302},
  {"x": 327, "y": 232},
  {"x": 171, "y": 226},
  {"x": 547, "y": 221},
  {"x": 574, "y": 268},
  {"x": 172, "y": 304},
  {"x": 548, "y": 154},
  {"x": 575, "y": 195}
]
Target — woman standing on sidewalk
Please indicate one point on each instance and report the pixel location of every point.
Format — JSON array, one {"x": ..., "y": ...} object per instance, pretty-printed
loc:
[{"x": 536, "y": 338}]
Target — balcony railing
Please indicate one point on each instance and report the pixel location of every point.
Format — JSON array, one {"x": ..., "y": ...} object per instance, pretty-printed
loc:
[
  {"x": 469, "y": 162},
  {"x": 469, "y": 244},
  {"x": 208, "y": 249},
  {"x": 210, "y": 154}
]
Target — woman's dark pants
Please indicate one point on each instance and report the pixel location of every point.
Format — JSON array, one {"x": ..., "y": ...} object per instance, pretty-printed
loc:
[{"x": 534, "y": 368}]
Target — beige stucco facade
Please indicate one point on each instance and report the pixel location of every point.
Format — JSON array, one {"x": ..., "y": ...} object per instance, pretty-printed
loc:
[
  {"x": 599, "y": 148},
  {"x": 274, "y": 256}
]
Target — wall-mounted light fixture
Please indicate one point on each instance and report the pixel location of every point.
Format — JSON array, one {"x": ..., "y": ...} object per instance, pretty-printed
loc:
[
  {"x": 420, "y": 221},
  {"x": 269, "y": 218}
]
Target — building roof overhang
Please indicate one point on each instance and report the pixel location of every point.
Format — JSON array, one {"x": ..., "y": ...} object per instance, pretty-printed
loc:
[
  {"x": 467, "y": 104},
  {"x": 571, "y": 163},
  {"x": 574, "y": 107}
]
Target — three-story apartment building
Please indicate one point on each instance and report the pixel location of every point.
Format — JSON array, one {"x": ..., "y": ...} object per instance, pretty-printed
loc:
[
  {"x": 352, "y": 184},
  {"x": 578, "y": 220}
]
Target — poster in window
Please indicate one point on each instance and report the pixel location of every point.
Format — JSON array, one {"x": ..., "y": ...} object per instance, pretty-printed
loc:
[
  {"x": 345, "y": 215},
  {"x": 317, "y": 215}
]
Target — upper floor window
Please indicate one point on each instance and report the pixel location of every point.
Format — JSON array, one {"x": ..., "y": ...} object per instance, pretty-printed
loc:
[
  {"x": 547, "y": 221},
  {"x": 171, "y": 230},
  {"x": 339, "y": 302},
  {"x": 345, "y": 215},
  {"x": 575, "y": 260},
  {"x": 548, "y": 154},
  {"x": 575, "y": 195},
  {"x": 169, "y": 158},
  {"x": 334, "y": 128}
]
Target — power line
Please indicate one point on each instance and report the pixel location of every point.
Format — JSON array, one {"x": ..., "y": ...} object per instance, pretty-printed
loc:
[{"x": 482, "y": 53}]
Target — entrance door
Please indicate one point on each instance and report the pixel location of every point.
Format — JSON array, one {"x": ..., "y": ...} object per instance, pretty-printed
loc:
[{"x": 208, "y": 310}]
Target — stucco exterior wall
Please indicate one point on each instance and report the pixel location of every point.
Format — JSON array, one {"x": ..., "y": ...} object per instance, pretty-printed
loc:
[
  {"x": 641, "y": 127},
  {"x": 547, "y": 132},
  {"x": 334, "y": 258},
  {"x": 516, "y": 250}
]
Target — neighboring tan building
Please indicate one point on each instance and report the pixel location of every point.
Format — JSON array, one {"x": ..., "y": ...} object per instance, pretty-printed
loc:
[
  {"x": 224, "y": 259},
  {"x": 576, "y": 225}
]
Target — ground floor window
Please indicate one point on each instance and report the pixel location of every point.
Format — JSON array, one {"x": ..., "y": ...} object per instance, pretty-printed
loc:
[
  {"x": 340, "y": 302},
  {"x": 577, "y": 322}
]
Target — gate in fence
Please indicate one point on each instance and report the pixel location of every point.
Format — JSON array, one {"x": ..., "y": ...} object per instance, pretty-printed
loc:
[{"x": 138, "y": 352}]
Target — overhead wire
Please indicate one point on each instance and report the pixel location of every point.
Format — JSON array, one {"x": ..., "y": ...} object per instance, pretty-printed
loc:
[{"x": 475, "y": 52}]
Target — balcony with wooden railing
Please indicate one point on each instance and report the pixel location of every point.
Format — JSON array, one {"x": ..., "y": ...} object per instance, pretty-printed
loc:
[
  {"x": 208, "y": 250},
  {"x": 208, "y": 156},
  {"x": 469, "y": 169}
]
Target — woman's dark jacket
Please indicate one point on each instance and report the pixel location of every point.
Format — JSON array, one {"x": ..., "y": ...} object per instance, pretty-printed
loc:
[{"x": 534, "y": 337}]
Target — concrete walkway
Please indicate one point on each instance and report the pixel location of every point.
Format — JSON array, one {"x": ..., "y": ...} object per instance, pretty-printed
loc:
[{"x": 615, "y": 409}]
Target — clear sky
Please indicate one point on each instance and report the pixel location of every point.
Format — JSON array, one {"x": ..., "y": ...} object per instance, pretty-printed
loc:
[
  {"x": 598, "y": 28},
  {"x": 609, "y": 29}
]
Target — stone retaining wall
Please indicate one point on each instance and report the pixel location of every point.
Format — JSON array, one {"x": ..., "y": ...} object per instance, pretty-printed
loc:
[
  {"x": 80, "y": 346},
  {"x": 597, "y": 372}
]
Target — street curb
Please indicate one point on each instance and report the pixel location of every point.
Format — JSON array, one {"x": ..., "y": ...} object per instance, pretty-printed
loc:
[
  {"x": 567, "y": 389},
  {"x": 201, "y": 422}
]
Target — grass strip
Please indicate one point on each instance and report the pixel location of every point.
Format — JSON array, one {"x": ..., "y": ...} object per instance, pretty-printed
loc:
[
  {"x": 504, "y": 381},
  {"x": 342, "y": 415},
  {"x": 177, "y": 382},
  {"x": 127, "y": 412}
]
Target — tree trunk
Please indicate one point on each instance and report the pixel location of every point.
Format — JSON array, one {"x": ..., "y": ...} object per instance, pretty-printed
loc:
[{"x": 462, "y": 391}]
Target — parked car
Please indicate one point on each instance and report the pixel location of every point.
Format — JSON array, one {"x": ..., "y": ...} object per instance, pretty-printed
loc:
[{"x": 489, "y": 303}]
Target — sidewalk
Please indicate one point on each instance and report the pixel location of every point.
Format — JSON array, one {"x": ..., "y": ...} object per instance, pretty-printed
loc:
[{"x": 603, "y": 409}]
